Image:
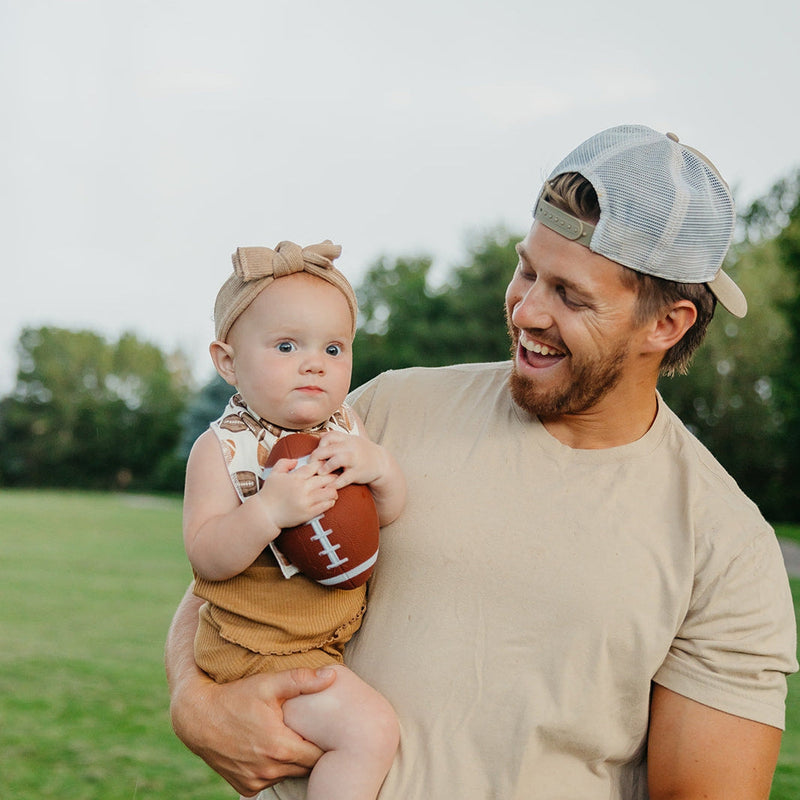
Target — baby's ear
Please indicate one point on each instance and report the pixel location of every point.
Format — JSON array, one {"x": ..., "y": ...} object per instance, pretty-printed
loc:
[{"x": 223, "y": 357}]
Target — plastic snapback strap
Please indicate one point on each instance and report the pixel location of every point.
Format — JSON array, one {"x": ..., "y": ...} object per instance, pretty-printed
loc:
[{"x": 559, "y": 221}]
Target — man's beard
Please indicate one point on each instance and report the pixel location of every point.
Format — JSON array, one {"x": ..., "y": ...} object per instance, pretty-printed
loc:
[{"x": 591, "y": 381}]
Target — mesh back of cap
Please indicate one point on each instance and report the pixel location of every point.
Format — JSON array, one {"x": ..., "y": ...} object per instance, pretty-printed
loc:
[{"x": 663, "y": 209}]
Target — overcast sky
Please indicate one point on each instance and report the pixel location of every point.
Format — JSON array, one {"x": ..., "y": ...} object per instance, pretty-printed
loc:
[{"x": 144, "y": 141}]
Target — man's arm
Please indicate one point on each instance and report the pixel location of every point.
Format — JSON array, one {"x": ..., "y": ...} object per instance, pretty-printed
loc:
[
  {"x": 699, "y": 752},
  {"x": 237, "y": 728}
]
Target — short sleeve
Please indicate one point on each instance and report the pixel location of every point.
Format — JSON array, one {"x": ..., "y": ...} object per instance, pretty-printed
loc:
[{"x": 738, "y": 639}]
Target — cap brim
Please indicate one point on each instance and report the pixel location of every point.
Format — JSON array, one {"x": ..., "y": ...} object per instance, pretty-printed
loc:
[{"x": 729, "y": 294}]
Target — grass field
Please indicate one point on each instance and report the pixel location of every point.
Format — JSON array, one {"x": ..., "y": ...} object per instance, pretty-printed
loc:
[{"x": 89, "y": 583}]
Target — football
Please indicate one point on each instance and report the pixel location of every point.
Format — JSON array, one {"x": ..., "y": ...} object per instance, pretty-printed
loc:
[{"x": 338, "y": 548}]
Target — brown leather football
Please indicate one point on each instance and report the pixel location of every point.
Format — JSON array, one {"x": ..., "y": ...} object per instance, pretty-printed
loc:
[{"x": 338, "y": 548}]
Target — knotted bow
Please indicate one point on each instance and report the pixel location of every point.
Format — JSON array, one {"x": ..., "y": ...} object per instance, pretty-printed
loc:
[
  {"x": 252, "y": 263},
  {"x": 254, "y": 268}
]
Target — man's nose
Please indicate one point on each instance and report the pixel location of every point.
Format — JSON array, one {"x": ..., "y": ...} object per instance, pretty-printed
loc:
[{"x": 532, "y": 309}]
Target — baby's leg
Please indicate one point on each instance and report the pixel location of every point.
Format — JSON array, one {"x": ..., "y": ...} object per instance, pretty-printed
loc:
[{"x": 357, "y": 728}]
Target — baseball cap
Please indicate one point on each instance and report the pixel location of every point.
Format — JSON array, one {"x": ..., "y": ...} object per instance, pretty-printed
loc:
[{"x": 664, "y": 208}]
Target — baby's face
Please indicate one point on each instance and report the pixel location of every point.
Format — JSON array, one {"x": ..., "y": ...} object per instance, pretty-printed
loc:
[{"x": 293, "y": 352}]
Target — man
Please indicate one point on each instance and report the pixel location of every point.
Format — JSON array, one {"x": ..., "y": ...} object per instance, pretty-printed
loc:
[{"x": 578, "y": 602}]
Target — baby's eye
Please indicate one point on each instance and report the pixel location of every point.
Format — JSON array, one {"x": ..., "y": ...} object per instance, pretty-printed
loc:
[
  {"x": 333, "y": 350},
  {"x": 286, "y": 347}
]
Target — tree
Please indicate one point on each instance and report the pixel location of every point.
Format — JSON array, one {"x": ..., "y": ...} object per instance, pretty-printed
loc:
[
  {"x": 86, "y": 412},
  {"x": 786, "y": 197},
  {"x": 405, "y": 321},
  {"x": 727, "y": 397},
  {"x": 738, "y": 396},
  {"x": 204, "y": 407}
]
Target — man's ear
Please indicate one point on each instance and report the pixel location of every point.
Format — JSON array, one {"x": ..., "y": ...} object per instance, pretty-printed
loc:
[
  {"x": 223, "y": 357},
  {"x": 670, "y": 326}
]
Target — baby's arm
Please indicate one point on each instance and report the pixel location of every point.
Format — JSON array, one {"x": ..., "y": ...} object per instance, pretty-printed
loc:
[
  {"x": 223, "y": 536},
  {"x": 363, "y": 461}
]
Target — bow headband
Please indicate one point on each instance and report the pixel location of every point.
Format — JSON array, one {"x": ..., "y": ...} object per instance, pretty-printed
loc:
[{"x": 255, "y": 268}]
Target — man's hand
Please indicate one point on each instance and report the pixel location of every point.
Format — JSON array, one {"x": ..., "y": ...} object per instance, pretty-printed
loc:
[{"x": 237, "y": 728}]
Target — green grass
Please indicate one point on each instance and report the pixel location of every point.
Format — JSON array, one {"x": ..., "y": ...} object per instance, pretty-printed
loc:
[
  {"x": 788, "y": 532},
  {"x": 786, "y": 784},
  {"x": 89, "y": 583}
]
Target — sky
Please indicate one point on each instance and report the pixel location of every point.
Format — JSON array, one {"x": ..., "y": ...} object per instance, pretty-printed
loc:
[{"x": 144, "y": 141}]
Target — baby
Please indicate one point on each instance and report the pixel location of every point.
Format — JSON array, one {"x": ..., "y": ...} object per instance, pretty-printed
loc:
[{"x": 284, "y": 326}]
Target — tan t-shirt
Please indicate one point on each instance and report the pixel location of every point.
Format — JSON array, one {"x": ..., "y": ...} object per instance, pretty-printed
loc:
[{"x": 530, "y": 593}]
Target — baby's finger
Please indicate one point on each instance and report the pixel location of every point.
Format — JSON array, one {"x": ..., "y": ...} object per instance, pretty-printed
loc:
[
  {"x": 328, "y": 465},
  {"x": 284, "y": 465},
  {"x": 331, "y": 436},
  {"x": 315, "y": 458},
  {"x": 324, "y": 483},
  {"x": 342, "y": 479},
  {"x": 307, "y": 467}
]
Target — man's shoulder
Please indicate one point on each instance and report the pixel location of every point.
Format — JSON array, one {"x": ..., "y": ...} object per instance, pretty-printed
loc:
[
  {"x": 688, "y": 448},
  {"x": 709, "y": 485}
]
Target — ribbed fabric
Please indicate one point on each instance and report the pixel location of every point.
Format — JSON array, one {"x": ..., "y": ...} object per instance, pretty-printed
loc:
[
  {"x": 225, "y": 661},
  {"x": 263, "y": 611}
]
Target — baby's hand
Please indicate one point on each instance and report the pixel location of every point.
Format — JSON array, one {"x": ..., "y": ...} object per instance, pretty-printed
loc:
[
  {"x": 354, "y": 459},
  {"x": 295, "y": 496}
]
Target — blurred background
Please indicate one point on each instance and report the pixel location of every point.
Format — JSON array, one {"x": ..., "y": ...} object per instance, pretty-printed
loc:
[{"x": 146, "y": 141}]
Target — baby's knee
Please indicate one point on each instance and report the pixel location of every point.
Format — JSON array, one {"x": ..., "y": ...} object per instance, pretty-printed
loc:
[
  {"x": 382, "y": 730},
  {"x": 373, "y": 726}
]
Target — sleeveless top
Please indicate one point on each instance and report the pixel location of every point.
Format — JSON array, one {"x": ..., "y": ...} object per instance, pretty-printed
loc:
[{"x": 270, "y": 607}]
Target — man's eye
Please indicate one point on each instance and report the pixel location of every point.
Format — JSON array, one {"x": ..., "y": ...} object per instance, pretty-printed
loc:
[
  {"x": 286, "y": 347},
  {"x": 568, "y": 299},
  {"x": 524, "y": 271},
  {"x": 333, "y": 350}
]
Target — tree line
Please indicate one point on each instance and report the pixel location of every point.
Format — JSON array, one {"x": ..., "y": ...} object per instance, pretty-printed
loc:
[{"x": 92, "y": 413}]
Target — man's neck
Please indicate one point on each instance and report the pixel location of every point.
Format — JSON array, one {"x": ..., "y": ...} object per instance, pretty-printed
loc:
[{"x": 620, "y": 418}]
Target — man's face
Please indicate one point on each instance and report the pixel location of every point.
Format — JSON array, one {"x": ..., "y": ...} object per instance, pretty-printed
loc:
[{"x": 570, "y": 318}]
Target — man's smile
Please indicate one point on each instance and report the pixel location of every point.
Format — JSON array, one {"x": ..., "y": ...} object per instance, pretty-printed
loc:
[
  {"x": 537, "y": 347},
  {"x": 537, "y": 353}
]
